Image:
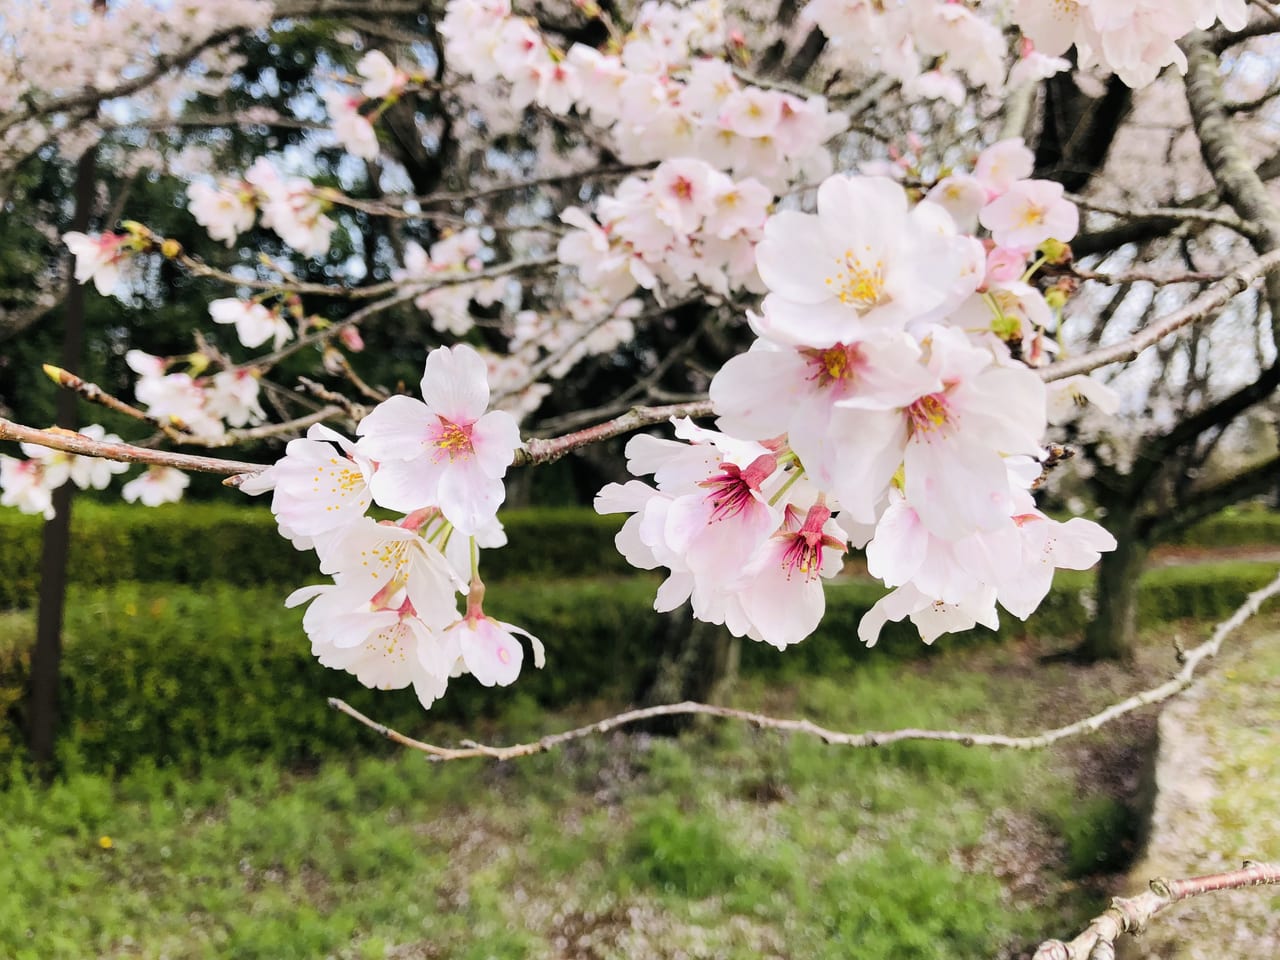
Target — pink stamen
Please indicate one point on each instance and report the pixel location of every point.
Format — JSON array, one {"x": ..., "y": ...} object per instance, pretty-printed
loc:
[
  {"x": 804, "y": 551},
  {"x": 733, "y": 490}
]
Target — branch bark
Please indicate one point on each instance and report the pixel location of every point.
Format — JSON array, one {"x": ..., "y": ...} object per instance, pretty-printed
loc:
[
  {"x": 1131, "y": 914},
  {"x": 70, "y": 442},
  {"x": 1198, "y": 309}
]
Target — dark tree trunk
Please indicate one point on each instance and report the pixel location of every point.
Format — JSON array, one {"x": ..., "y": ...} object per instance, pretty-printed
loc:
[
  {"x": 697, "y": 661},
  {"x": 1112, "y": 633},
  {"x": 46, "y": 657}
]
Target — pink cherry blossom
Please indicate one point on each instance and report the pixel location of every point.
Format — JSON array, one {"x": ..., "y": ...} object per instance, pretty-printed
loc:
[
  {"x": 1003, "y": 164},
  {"x": 863, "y": 262},
  {"x": 489, "y": 647},
  {"x": 381, "y": 78},
  {"x": 1029, "y": 213},
  {"x": 443, "y": 451},
  {"x": 780, "y": 591},
  {"x": 24, "y": 484},
  {"x": 321, "y": 483}
]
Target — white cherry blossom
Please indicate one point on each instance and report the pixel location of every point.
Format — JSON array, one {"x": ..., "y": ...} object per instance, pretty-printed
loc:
[{"x": 156, "y": 486}]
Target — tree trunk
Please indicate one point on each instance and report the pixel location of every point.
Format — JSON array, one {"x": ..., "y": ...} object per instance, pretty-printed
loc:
[
  {"x": 46, "y": 656},
  {"x": 1112, "y": 633},
  {"x": 698, "y": 661}
]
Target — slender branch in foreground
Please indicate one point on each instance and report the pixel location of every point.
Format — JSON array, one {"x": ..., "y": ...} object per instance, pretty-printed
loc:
[
  {"x": 56, "y": 438},
  {"x": 545, "y": 451},
  {"x": 1131, "y": 914},
  {"x": 1191, "y": 660},
  {"x": 1198, "y": 309}
]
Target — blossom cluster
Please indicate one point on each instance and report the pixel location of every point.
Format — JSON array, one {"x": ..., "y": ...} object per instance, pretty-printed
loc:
[
  {"x": 882, "y": 405},
  {"x": 684, "y": 225},
  {"x": 1134, "y": 39},
  {"x": 666, "y": 91},
  {"x": 29, "y": 484},
  {"x": 454, "y": 255},
  {"x": 390, "y": 615},
  {"x": 290, "y": 206},
  {"x": 44, "y": 66},
  {"x": 201, "y": 406}
]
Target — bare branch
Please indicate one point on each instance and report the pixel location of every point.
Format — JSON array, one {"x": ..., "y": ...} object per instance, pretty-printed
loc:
[
  {"x": 65, "y": 440},
  {"x": 1223, "y": 218},
  {"x": 403, "y": 292},
  {"x": 1198, "y": 309},
  {"x": 95, "y": 394},
  {"x": 1175, "y": 685},
  {"x": 1138, "y": 276},
  {"x": 546, "y": 451},
  {"x": 1131, "y": 914}
]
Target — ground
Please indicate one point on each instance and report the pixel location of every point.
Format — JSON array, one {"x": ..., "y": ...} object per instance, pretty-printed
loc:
[{"x": 1217, "y": 776}]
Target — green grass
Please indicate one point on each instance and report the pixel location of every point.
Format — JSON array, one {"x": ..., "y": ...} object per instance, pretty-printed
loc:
[{"x": 728, "y": 842}]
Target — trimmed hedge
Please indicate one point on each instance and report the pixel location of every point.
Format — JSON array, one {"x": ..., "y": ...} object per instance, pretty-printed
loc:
[
  {"x": 178, "y": 675},
  {"x": 238, "y": 545},
  {"x": 1241, "y": 526}
]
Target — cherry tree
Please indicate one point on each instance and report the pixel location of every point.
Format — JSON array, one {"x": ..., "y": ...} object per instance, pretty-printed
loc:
[{"x": 855, "y": 240}]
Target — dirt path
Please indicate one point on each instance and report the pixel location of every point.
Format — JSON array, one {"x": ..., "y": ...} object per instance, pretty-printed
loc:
[{"x": 1217, "y": 804}]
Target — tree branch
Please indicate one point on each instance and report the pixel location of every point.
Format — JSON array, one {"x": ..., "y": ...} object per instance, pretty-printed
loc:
[
  {"x": 1225, "y": 219},
  {"x": 1198, "y": 309},
  {"x": 69, "y": 442},
  {"x": 546, "y": 451},
  {"x": 1206, "y": 502},
  {"x": 1180, "y": 681},
  {"x": 1131, "y": 914}
]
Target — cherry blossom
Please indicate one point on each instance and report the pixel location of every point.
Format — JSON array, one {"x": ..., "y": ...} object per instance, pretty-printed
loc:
[
  {"x": 94, "y": 473},
  {"x": 321, "y": 484},
  {"x": 489, "y": 648},
  {"x": 865, "y": 261},
  {"x": 1029, "y": 213},
  {"x": 24, "y": 484},
  {"x": 156, "y": 486},
  {"x": 99, "y": 258},
  {"x": 353, "y": 130},
  {"x": 443, "y": 451},
  {"x": 381, "y": 77},
  {"x": 254, "y": 323},
  {"x": 224, "y": 212}
]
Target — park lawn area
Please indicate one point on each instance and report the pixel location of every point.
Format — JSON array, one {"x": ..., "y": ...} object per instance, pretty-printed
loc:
[{"x": 727, "y": 842}]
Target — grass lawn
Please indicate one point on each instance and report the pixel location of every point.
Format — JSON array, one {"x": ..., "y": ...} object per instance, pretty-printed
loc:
[{"x": 727, "y": 842}]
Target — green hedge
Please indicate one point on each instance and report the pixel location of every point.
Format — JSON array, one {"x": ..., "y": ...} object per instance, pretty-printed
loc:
[
  {"x": 177, "y": 674},
  {"x": 238, "y": 545},
  {"x": 1242, "y": 526}
]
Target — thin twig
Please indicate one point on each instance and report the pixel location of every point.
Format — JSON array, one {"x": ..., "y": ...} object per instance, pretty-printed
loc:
[
  {"x": 403, "y": 293},
  {"x": 1131, "y": 914},
  {"x": 1179, "y": 682},
  {"x": 1198, "y": 309}
]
